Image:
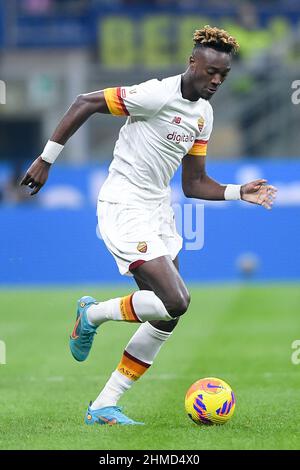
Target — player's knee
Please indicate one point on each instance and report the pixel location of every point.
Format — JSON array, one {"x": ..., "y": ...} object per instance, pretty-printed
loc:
[{"x": 179, "y": 303}]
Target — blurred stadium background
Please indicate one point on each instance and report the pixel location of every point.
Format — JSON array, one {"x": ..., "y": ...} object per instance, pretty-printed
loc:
[{"x": 53, "y": 50}]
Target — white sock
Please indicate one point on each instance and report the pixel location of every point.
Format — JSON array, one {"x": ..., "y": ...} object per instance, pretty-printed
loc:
[
  {"x": 138, "y": 356},
  {"x": 113, "y": 390},
  {"x": 141, "y": 306}
]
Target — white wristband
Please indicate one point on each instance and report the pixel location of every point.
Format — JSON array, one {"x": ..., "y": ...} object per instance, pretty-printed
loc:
[
  {"x": 232, "y": 192},
  {"x": 51, "y": 151}
]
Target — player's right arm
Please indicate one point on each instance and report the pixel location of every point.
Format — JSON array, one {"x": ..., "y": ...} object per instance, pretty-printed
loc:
[
  {"x": 81, "y": 109},
  {"x": 143, "y": 100}
]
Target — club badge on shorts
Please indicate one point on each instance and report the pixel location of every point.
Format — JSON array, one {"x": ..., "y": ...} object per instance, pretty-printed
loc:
[{"x": 142, "y": 247}]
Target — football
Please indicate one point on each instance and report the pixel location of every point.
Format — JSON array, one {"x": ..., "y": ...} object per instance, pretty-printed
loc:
[{"x": 210, "y": 401}]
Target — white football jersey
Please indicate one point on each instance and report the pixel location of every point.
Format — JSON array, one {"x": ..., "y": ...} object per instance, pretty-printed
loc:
[{"x": 162, "y": 127}]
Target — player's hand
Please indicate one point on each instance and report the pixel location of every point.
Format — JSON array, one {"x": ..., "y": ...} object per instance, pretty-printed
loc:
[
  {"x": 36, "y": 175},
  {"x": 259, "y": 192}
]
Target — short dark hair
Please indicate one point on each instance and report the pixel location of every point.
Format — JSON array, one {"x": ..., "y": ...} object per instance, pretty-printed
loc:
[{"x": 215, "y": 38}]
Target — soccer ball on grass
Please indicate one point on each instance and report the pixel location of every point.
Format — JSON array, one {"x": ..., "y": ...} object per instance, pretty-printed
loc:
[{"x": 210, "y": 401}]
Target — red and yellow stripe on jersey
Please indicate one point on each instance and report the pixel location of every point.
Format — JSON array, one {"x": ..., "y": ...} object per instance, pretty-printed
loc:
[
  {"x": 115, "y": 102},
  {"x": 199, "y": 148},
  {"x": 127, "y": 310},
  {"x": 132, "y": 367}
]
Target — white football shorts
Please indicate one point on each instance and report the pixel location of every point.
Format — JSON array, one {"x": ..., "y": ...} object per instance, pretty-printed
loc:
[{"x": 138, "y": 233}]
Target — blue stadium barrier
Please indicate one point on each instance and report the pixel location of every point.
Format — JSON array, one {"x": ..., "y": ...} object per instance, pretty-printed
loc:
[{"x": 54, "y": 241}]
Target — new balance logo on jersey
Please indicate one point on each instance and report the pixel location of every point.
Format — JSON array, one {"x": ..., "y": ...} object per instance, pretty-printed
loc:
[
  {"x": 180, "y": 137},
  {"x": 176, "y": 120}
]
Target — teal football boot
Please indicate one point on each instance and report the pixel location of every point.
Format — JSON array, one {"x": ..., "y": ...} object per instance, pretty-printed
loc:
[
  {"x": 82, "y": 337},
  {"x": 109, "y": 415}
]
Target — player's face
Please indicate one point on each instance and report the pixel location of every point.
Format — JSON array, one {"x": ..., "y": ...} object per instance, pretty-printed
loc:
[{"x": 208, "y": 69}]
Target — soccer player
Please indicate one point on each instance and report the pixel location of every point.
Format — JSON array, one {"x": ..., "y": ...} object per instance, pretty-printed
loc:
[{"x": 169, "y": 122}]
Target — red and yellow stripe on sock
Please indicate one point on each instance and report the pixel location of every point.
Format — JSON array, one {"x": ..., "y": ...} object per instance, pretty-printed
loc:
[
  {"x": 132, "y": 367},
  {"x": 127, "y": 310},
  {"x": 199, "y": 148},
  {"x": 115, "y": 102}
]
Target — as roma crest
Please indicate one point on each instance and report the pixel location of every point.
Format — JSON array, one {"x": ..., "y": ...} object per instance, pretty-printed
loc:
[
  {"x": 200, "y": 123},
  {"x": 142, "y": 247}
]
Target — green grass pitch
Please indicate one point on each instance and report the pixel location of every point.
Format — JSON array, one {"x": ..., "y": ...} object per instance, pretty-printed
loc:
[{"x": 241, "y": 333}]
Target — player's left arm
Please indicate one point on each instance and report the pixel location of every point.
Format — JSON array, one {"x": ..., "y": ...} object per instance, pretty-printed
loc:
[{"x": 197, "y": 184}]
